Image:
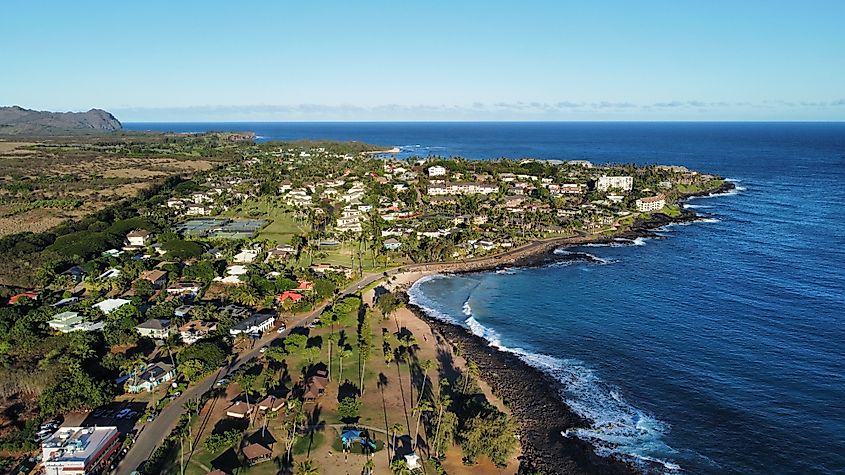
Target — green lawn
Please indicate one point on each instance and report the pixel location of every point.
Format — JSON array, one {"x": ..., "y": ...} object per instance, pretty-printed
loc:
[{"x": 282, "y": 225}]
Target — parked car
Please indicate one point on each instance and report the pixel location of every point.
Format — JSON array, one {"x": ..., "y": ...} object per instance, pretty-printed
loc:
[{"x": 263, "y": 349}]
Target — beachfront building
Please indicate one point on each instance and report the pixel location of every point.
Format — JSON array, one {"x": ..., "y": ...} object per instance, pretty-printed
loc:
[
  {"x": 623, "y": 183},
  {"x": 152, "y": 377},
  {"x": 651, "y": 203},
  {"x": 79, "y": 450}
]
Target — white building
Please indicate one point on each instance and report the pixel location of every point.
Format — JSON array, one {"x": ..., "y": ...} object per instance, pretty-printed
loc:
[
  {"x": 624, "y": 183},
  {"x": 437, "y": 170},
  {"x": 67, "y": 322},
  {"x": 350, "y": 220},
  {"x": 256, "y": 324},
  {"x": 651, "y": 203},
  {"x": 139, "y": 238},
  {"x": 79, "y": 450},
  {"x": 110, "y": 305},
  {"x": 462, "y": 189},
  {"x": 246, "y": 256}
]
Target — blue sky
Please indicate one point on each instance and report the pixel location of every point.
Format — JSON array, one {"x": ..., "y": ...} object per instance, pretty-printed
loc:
[{"x": 432, "y": 60}]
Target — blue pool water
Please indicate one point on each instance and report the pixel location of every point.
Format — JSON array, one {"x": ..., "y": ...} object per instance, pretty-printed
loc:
[{"x": 719, "y": 348}]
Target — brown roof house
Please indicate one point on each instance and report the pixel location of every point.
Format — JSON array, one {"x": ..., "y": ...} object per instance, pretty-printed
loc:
[
  {"x": 156, "y": 277},
  {"x": 256, "y": 453},
  {"x": 271, "y": 403},
  {"x": 239, "y": 410},
  {"x": 315, "y": 386}
]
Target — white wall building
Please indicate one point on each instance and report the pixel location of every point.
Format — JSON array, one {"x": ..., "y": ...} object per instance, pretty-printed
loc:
[
  {"x": 624, "y": 183},
  {"x": 437, "y": 170},
  {"x": 651, "y": 203}
]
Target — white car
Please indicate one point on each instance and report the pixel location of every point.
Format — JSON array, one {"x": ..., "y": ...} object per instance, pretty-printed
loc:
[
  {"x": 263, "y": 349},
  {"x": 281, "y": 330}
]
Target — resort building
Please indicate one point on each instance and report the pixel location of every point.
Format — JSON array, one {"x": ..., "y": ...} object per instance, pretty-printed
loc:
[
  {"x": 256, "y": 324},
  {"x": 154, "y": 376},
  {"x": 624, "y": 183},
  {"x": 392, "y": 244},
  {"x": 651, "y": 203},
  {"x": 155, "y": 328},
  {"x": 79, "y": 450},
  {"x": 350, "y": 220}
]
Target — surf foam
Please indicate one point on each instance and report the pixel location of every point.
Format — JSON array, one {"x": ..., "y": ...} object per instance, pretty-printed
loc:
[{"x": 617, "y": 428}]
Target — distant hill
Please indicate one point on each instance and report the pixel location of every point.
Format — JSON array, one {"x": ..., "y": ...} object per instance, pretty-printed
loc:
[{"x": 16, "y": 120}]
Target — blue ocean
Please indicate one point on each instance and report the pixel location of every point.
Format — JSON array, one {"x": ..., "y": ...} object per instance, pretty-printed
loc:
[{"x": 718, "y": 347}]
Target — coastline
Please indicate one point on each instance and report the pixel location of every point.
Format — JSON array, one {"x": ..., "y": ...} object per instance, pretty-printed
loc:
[{"x": 530, "y": 394}]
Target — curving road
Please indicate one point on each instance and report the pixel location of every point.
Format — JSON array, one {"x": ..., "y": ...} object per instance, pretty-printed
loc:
[{"x": 152, "y": 433}]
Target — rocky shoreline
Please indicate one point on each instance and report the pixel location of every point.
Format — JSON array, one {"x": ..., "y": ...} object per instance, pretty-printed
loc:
[
  {"x": 535, "y": 403},
  {"x": 533, "y": 396}
]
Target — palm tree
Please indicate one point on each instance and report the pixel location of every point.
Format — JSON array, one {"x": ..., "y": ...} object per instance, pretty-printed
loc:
[
  {"x": 426, "y": 367},
  {"x": 423, "y": 406},
  {"x": 395, "y": 429},
  {"x": 307, "y": 467},
  {"x": 343, "y": 353},
  {"x": 369, "y": 466},
  {"x": 442, "y": 405},
  {"x": 400, "y": 467}
]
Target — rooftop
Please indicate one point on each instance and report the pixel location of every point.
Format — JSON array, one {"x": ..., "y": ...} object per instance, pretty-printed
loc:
[{"x": 76, "y": 443}]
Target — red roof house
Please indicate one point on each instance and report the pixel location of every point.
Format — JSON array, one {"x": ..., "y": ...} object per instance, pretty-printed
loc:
[
  {"x": 305, "y": 286},
  {"x": 30, "y": 295},
  {"x": 289, "y": 294}
]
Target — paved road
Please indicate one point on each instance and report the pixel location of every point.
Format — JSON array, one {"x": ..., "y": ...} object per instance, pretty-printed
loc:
[{"x": 152, "y": 433}]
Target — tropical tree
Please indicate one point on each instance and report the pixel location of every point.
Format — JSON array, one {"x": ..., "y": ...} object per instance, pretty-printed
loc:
[
  {"x": 423, "y": 406},
  {"x": 342, "y": 354},
  {"x": 307, "y": 467},
  {"x": 396, "y": 428},
  {"x": 400, "y": 467}
]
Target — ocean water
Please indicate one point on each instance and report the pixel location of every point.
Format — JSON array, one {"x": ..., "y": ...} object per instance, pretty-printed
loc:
[{"x": 717, "y": 348}]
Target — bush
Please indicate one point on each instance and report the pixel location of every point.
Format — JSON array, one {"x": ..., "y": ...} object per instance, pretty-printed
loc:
[{"x": 181, "y": 249}]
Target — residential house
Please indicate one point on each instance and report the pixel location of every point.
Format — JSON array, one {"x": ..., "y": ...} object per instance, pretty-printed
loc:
[
  {"x": 139, "y": 238},
  {"x": 392, "y": 244},
  {"x": 155, "y": 328},
  {"x": 30, "y": 295},
  {"x": 246, "y": 256},
  {"x": 255, "y": 324},
  {"x": 184, "y": 288},
  {"x": 436, "y": 170},
  {"x": 239, "y": 410},
  {"x": 152, "y": 377},
  {"x": 256, "y": 453},
  {"x": 271, "y": 403},
  {"x": 288, "y": 295},
  {"x": 195, "y": 330},
  {"x": 67, "y": 322},
  {"x": 110, "y": 305},
  {"x": 156, "y": 277}
]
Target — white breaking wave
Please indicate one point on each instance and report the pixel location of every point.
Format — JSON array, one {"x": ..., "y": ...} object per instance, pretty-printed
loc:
[
  {"x": 617, "y": 428},
  {"x": 689, "y": 206}
]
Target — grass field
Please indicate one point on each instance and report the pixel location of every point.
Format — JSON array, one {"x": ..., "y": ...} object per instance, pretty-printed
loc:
[{"x": 282, "y": 225}]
